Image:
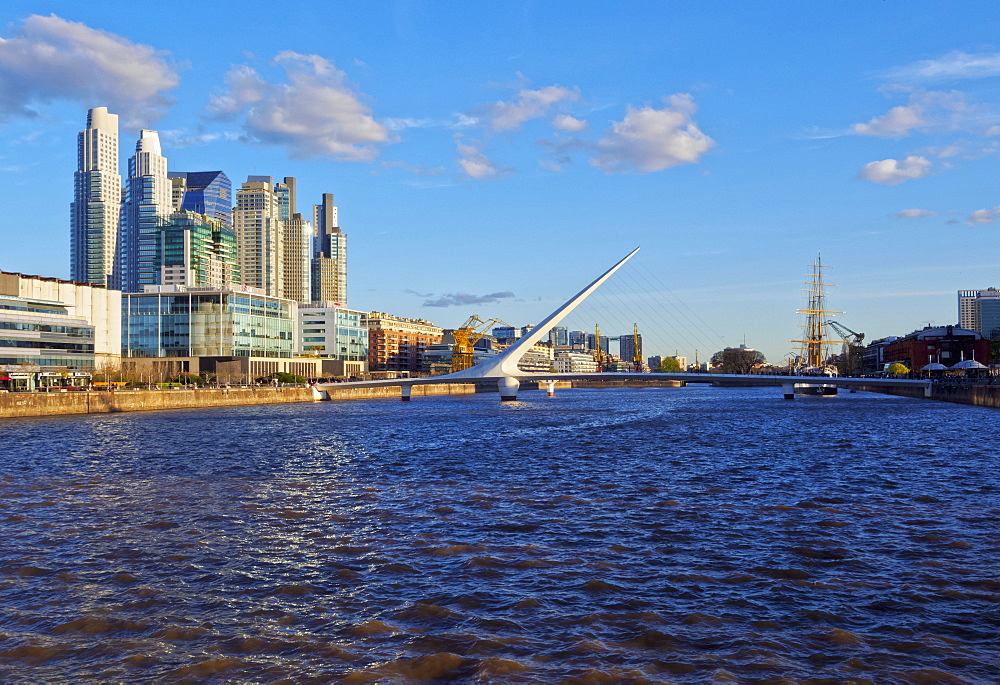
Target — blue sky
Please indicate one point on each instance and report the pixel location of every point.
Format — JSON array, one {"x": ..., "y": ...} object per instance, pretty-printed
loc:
[{"x": 503, "y": 154}]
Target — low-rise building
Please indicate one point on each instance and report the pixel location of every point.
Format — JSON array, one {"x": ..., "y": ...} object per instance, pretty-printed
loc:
[
  {"x": 194, "y": 330},
  {"x": 396, "y": 344},
  {"x": 51, "y": 329},
  {"x": 336, "y": 335},
  {"x": 946, "y": 345},
  {"x": 571, "y": 361}
]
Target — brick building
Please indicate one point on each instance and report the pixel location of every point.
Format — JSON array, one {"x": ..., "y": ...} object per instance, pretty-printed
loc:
[
  {"x": 396, "y": 344},
  {"x": 947, "y": 345}
]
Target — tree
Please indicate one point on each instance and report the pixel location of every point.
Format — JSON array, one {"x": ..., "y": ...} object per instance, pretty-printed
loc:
[
  {"x": 897, "y": 369},
  {"x": 738, "y": 359},
  {"x": 283, "y": 377},
  {"x": 669, "y": 365}
]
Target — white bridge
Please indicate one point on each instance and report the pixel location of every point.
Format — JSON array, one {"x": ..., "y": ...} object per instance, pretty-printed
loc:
[{"x": 504, "y": 370}]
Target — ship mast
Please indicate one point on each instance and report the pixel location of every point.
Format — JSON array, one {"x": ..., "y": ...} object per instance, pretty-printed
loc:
[{"x": 816, "y": 313}]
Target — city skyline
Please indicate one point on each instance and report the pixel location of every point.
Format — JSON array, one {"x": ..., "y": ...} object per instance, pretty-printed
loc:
[{"x": 492, "y": 172}]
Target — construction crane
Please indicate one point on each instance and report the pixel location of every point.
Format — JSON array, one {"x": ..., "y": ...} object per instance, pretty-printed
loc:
[
  {"x": 599, "y": 356},
  {"x": 636, "y": 352},
  {"x": 466, "y": 337},
  {"x": 852, "y": 341}
]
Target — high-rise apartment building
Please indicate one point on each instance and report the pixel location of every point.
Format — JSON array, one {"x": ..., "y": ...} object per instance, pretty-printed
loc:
[
  {"x": 148, "y": 203},
  {"x": 559, "y": 336},
  {"x": 198, "y": 251},
  {"x": 329, "y": 263},
  {"x": 204, "y": 192},
  {"x": 259, "y": 235},
  {"x": 297, "y": 234},
  {"x": 97, "y": 194},
  {"x": 627, "y": 347},
  {"x": 979, "y": 310},
  {"x": 285, "y": 191}
]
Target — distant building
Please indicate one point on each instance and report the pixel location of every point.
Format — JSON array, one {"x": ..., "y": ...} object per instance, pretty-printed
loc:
[
  {"x": 259, "y": 235},
  {"x": 605, "y": 344},
  {"x": 329, "y": 258},
  {"x": 97, "y": 195},
  {"x": 577, "y": 338},
  {"x": 569, "y": 361},
  {"x": 654, "y": 362},
  {"x": 946, "y": 345},
  {"x": 51, "y": 329},
  {"x": 336, "y": 335},
  {"x": 203, "y": 192},
  {"x": 148, "y": 203},
  {"x": 506, "y": 335},
  {"x": 197, "y": 250},
  {"x": 297, "y": 258},
  {"x": 627, "y": 348},
  {"x": 559, "y": 336},
  {"x": 396, "y": 344}
]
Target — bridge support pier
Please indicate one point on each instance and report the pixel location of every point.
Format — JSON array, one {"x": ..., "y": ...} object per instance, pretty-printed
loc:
[
  {"x": 789, "y": 390},
  {"x": 550, "y": 388},
  {"x": 508, "y": 388},
  {"x": 404, "y": 392}
]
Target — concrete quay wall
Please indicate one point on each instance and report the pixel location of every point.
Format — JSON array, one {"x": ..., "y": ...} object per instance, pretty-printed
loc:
[
  {"x": 630, "y": 383},
  {"x": 976, "y": 395},
  {"x": 57, "y": 403}
]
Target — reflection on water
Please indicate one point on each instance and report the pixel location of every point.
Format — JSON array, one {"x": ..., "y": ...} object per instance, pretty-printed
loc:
[{"x": 684, "y": 535}]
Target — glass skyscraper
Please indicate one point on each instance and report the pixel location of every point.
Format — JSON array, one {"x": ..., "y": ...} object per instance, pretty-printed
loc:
[
  {"x": 205, "y": 192},
  {"x": 97, "y": 194},
  {"x": 148, "y": 203}
]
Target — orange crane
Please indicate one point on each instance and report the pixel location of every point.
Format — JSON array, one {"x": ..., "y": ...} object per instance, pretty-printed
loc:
[{"x": 466, "y": 337}]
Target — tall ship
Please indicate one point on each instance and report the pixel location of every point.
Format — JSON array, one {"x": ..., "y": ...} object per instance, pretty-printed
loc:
[{"x": 814, "y": 345}]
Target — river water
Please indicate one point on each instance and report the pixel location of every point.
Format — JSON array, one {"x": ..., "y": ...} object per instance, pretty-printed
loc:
[{"x": 656, "y": 535}]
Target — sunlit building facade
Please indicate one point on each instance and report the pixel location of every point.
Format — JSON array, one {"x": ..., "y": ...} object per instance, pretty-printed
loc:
[
  {"x": 174, "y": 321},
  {"x": 148, "y": 204},
  {"x": 97, "y": 195}
]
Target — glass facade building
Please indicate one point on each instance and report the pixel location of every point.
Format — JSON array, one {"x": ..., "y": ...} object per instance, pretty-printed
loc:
[
  {"x": 198, "y": 251},
  {"x": 97, "y": 194},
  {"x": 43, "y": 336},
  {"x": 333, "y": 333},
  {"x": 206, "y": 192},
  {"x": 195, "y": 322},
  {"x": 148, "y": 204}
]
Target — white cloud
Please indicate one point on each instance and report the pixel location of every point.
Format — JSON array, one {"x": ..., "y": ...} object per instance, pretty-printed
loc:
[
  {"x": 953, "y": 66},
  {"x": 983, "y": 216},
  {"x": 314, "y": 114},
  {"x": 50, "y": 58},
  {"x": 527, "y": 104},
  {"x": 565, "y": 122},
  {"x": 475, "y": 164},
  {"x": 892, "y": 172},
  {"x": 650, "y": 139},
  {"x": 896, "y": 123},
  {"x": 927, "y": 110},
  {"x": 915, "y": 214},
  {"x": 992, "y": 131}
]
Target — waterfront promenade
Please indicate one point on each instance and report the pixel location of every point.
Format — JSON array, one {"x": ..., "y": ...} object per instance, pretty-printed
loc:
[
  {"x": 57, "y": 403},
  {"x": 102, "y": 402}
]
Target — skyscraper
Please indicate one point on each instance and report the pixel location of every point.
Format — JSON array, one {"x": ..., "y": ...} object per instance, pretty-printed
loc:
[
  {"x": 259, "y": 235},
  {"x": 97, "y": 194},
  {"x": 198, "y": 251},
  {"x": 205, "y": 192},
  {"x": 297, "y": 236},
  {"x": 329, "y": 263},
  {"x": 627, "y": 347},
  {"x": 148, "y": 203}
]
